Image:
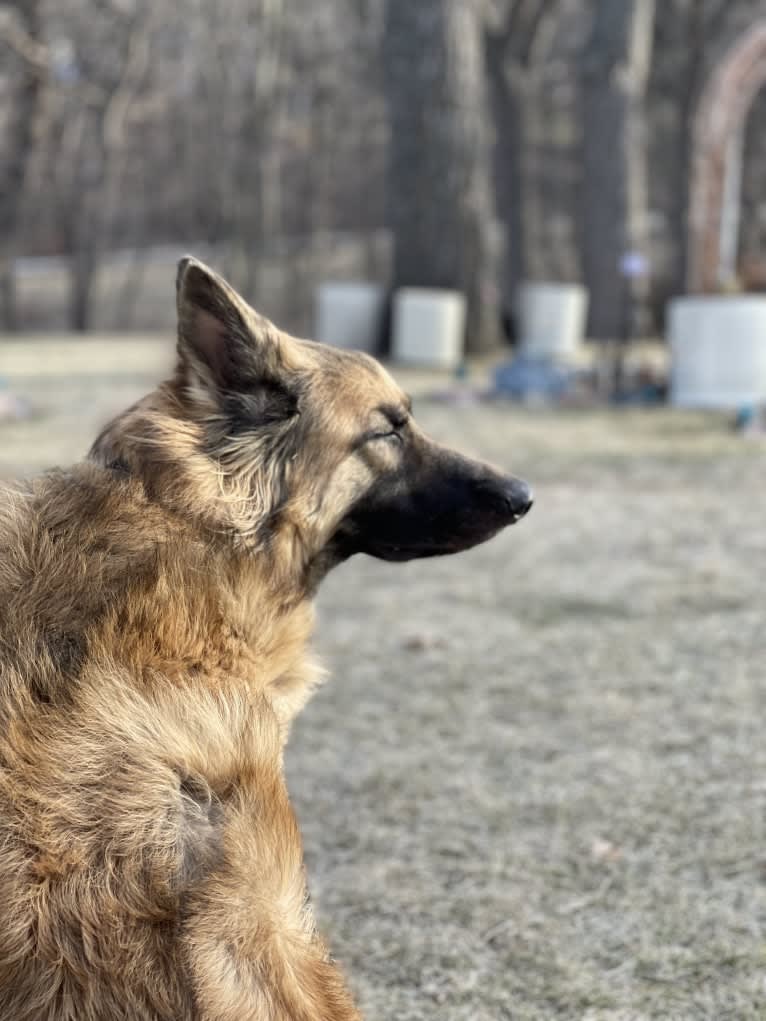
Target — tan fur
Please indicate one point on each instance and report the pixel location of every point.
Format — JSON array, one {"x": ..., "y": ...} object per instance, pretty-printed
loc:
[{"x": 155, "y": 615}]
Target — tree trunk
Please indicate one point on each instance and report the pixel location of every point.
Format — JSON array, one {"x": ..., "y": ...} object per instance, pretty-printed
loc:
[
  {"x": 19, "y": 145},
  {"x": 441, "y": 203},
  {"x": 9, "y": 319},
  {"x": 81, "y": 278},
  {"x": 82, "y": 226},
  {"x": 508, "y": 116},
  {"x": 616, "y": 70}
]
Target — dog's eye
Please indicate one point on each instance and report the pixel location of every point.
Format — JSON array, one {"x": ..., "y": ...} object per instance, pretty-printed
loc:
[{"x": 391, "y": 435}]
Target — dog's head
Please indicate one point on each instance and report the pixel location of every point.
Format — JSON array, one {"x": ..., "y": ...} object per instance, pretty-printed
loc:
[{"x": 297, "y": 448}]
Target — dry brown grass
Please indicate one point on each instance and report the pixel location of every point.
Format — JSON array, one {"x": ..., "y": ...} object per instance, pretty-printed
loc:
[{"x": 565, "y": 816}]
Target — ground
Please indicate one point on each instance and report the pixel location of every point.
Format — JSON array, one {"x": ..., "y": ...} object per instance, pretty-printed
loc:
[{"x": 535, "y": 785}]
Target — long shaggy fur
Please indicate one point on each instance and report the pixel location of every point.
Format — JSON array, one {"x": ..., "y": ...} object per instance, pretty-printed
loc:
[{"x": 155, "y": 618}]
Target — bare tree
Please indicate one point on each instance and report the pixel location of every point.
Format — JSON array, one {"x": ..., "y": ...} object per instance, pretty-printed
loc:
[
  {"x": 98, "y": 162},
  {"x": 440, "y": 182},
  {"x": 701, "y": 24},
  {"x": 518, "y": 39},
  {"x": 21, "y": 35},
  {"x": 254, "y": 125},
  {"x": 615, "y": 207}
]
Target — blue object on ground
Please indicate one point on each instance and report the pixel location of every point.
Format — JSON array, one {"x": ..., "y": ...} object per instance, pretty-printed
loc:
[
  {"x": 531, "y": 377},
  {"x": 745, "y": 417}
]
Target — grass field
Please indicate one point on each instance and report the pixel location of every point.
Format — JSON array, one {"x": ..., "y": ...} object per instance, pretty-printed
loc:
[{"x": 535, "y": 785}]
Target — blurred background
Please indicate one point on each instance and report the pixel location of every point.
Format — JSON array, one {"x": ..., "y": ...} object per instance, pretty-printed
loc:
[
  {"x": 469, "y": 144},
  {"x": 534, "y": 787}
]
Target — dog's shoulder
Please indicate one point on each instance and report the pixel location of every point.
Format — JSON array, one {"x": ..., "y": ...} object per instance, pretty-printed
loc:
[
  {"x": 69, "y": 537},
  {"x": 94, "y": 572},
  {"x": 71, "y": 543}
]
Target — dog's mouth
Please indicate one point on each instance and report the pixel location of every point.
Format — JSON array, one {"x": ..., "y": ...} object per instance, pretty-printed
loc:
[
  {"x": 421, "y": 551},
  {"x": 435, "y": 503},
  {"x": 420, "y": 528}
]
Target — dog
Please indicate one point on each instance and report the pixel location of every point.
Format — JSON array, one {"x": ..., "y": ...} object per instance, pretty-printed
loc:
[{"x": 155, "y": 621}]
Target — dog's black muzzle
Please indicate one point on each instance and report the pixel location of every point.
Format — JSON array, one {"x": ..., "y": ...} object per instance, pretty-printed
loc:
[{"x": 436, "y": 503}]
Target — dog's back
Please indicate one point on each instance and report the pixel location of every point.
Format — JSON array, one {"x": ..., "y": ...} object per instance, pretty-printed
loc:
[
  {"x": 91, "y": 811},
  {"x": 64, "y": 558}
]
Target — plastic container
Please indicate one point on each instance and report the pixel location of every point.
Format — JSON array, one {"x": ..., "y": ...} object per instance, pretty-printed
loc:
[
  {"x": 350, "y": 315},
  {"x": 552, "y": 319},
  {"x": 428, "y": 327},
  {"x": 718, "y": 351}
]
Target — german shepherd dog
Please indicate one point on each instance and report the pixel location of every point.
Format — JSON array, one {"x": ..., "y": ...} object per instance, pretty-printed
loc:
[{"x": 155, "y": 617}]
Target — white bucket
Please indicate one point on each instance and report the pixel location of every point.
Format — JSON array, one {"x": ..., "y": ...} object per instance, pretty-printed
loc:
[
  {"x": 350, "y": 315},
  {"x": 718, "y": 351},
  {"x": 428, "y": 327},
  {"x": 552, "y": 319}
]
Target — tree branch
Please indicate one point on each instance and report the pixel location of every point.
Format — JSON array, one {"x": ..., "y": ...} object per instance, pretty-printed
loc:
[{"x": 15, "y": 37}]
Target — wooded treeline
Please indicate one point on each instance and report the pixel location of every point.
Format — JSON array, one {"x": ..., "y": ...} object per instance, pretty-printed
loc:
[{"x": 496, "y": 140}]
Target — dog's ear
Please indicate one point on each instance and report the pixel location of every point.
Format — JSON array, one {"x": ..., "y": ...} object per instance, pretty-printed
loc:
[{"x": 225, "y": 343}]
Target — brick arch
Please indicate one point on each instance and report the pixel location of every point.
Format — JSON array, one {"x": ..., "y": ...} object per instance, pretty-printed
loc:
[{"x": 716, "y": 140}]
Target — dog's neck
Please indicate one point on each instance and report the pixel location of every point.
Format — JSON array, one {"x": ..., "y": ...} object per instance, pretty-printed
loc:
[
  {"x": 242, "y": 611},
  {"x": 232, "y": 631},
  {"x": 157, "y": 444},
  {"x": 171, "y": 602}
]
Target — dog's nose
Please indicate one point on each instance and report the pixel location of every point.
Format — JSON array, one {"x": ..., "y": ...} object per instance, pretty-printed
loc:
[
  {"x": 518, "y": 498},
  {"x": 506, "y": 496}
]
